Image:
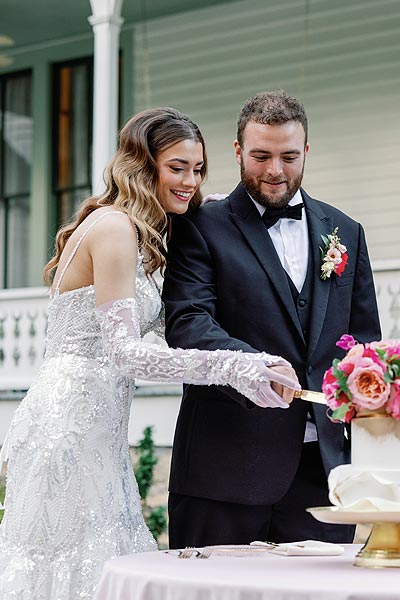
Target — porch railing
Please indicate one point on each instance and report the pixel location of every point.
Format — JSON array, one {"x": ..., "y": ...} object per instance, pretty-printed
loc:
[{"x": 23, "y": 322}]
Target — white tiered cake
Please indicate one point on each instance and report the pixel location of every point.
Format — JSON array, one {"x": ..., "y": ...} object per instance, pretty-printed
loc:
[{"x": 372, "y": 480}]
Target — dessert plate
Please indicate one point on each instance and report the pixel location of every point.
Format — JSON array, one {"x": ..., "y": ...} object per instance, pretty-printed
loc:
[{"x": 335, "y": 514}]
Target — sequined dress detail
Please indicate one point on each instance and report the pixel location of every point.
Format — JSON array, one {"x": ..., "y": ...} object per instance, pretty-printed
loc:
[{"x": 72, "y": 500}]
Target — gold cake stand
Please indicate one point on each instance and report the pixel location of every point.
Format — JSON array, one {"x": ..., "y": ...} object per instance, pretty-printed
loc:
[{"x": 382, "y": 548}]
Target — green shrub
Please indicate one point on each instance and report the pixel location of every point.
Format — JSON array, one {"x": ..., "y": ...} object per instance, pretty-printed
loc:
[
  {"x": 2, "y": 494},
  {"x": 156, "y": 516}
]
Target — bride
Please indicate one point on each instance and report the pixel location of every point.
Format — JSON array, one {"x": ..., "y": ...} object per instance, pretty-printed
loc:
[{"x": 72, "y": 500}]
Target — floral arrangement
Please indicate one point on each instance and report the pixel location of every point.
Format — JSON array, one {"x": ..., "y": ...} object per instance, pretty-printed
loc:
[
  {"x": 368, "y": 377},
  {"x": 333, "y": 255}
]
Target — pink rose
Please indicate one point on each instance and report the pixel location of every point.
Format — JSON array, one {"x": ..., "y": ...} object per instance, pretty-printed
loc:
[
  {"x": 367, "y": 385},
  {"x": 393, "y": 404},
  {"x": 330, "y": 384},
  {"x": 394, "y": 348},
  {"x": 390, "y": 346},
  {"x": 348, "y": 363},
  {"x": 373, "y": 355},
  {"x": 357, "y": 350}
]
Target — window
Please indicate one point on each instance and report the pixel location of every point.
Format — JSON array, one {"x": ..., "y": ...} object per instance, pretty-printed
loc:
[
  {"x": 15, "y": 177},
  {"x": 72, "y": 110}
]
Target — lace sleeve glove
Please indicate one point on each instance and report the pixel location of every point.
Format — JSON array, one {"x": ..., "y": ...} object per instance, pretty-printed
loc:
[{"x": 248, "y": 373}]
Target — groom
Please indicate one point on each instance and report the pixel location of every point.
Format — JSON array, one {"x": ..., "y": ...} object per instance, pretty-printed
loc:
[{"x": 245, "y": 273}]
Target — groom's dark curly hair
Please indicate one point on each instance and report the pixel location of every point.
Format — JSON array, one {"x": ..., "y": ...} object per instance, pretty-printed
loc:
[{"x": 271, "y": 108}]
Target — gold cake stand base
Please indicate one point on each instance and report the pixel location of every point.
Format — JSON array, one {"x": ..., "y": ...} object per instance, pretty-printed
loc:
[{"x": 382, "y": 548}]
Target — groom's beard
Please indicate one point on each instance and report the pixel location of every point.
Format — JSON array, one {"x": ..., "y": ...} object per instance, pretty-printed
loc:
[{"x": 254, "y": 187}]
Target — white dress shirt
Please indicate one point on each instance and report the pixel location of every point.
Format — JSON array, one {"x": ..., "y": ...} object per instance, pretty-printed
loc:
[{"x": 290, "y": 239}]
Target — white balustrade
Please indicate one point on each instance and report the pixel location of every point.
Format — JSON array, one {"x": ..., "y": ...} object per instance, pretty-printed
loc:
[
  {"x": 23, "y": 322},
  {"x": 387, "y": 283}
]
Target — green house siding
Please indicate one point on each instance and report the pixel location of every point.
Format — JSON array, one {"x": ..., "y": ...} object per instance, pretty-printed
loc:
[{"x": 341, "y": 58}]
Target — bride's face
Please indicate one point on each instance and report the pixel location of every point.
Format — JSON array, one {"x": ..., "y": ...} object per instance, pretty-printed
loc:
[{"x": 179, "y": 175}]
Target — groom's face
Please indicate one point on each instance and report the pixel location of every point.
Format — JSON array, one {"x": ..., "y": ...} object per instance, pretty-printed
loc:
[{"x": 272, "y": 161}]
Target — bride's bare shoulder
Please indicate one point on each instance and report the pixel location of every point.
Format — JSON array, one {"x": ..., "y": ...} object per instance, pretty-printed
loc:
[{"x": 114, "y": 230}]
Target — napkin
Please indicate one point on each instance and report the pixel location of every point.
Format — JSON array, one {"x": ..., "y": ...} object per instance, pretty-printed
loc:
[{"x": 306, "y": 548}]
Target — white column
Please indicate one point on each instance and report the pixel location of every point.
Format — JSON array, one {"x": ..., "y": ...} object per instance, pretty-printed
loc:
[{"x": 106, "y": 22}]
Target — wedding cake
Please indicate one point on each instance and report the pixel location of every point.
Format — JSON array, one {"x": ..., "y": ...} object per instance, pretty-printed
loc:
[{"x": 372, "y": 480}]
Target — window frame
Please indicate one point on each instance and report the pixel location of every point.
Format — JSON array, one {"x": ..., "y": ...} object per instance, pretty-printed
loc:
[
  {"x": 7, "y": 199},
  {"x": 57, "y": 190}
]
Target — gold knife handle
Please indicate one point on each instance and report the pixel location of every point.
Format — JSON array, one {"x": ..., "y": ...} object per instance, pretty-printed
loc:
[{"x": 311, "y": 396}]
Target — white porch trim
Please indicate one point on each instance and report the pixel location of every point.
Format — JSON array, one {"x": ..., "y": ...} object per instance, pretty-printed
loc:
[{"x": 106, "y": 22}]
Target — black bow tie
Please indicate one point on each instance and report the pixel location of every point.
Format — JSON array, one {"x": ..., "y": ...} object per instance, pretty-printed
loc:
[{"x": 272, "y": 215}]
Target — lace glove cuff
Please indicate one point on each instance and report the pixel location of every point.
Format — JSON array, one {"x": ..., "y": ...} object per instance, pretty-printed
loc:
[{"x": 244, "y": 371}]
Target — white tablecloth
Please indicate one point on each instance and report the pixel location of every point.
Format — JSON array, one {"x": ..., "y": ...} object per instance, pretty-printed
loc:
[{"x": 161, "y": 576}]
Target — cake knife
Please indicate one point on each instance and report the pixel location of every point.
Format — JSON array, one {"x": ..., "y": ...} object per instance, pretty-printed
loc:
[{"x": 310, "y": 396}]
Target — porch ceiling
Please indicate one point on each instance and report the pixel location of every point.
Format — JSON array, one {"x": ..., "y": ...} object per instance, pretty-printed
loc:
[{"x": 30, "y": 22}]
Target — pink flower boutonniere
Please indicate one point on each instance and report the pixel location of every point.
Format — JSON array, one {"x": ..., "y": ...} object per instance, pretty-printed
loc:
[{"x": 334, "y": 257}]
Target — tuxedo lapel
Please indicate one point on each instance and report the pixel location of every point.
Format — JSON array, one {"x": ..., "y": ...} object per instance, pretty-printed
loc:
[
  {"x": 247, "y": 218},
  {"x": 319, "y": 224}
]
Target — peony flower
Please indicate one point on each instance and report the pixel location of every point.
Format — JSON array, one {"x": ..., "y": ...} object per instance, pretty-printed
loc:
[
  {"x": 367, "y": 385},
  {"x": 393, "y": 404}
]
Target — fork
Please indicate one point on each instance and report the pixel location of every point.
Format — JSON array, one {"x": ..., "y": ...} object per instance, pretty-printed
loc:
[
  {"x": 206, "y": 553},
  {"x": 186, "y": 552}
]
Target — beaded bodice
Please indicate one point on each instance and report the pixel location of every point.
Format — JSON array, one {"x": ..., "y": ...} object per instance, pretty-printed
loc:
[{"x": 73, "y": 327}]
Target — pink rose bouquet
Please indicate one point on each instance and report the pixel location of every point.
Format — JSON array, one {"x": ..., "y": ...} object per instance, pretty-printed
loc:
[{"x": 368, "y": 377}]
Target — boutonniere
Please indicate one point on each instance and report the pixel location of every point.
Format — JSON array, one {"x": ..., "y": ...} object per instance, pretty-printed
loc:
[{"x": 333, "y": 255}]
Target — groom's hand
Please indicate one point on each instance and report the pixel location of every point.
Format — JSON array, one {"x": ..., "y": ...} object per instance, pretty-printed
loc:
[{"x": 280, "y": 384}]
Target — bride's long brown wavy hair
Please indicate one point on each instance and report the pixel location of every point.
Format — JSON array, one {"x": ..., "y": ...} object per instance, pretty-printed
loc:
[{"x": 131, "y": 181}]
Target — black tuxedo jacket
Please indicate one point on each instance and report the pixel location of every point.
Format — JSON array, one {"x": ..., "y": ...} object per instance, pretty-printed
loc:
[{"x": 225, "y": 288}]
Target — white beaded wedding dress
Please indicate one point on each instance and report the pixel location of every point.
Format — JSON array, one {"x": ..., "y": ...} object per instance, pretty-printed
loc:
[{"x": 72, "y": 500}]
